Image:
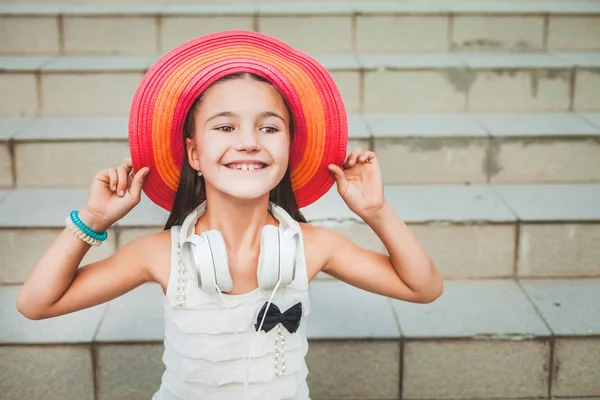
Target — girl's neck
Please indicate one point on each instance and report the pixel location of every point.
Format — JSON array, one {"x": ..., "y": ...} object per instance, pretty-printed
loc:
[{"x": 240, "y": 221}]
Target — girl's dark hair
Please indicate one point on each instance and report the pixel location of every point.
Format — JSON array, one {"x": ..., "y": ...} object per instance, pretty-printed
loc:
[{"x": 191, "y": 190}]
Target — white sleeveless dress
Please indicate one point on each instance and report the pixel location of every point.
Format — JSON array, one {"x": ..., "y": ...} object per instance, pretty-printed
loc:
[{"x": 205, "y": 359}]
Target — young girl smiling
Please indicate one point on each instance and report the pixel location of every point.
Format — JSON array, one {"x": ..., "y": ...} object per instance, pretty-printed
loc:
[{"x": 233, "y": 133}]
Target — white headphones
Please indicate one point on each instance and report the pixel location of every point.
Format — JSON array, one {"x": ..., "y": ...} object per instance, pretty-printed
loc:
[{"x": 208, "y": 254}]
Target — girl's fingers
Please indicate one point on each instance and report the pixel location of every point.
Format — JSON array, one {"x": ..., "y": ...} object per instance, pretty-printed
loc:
[
  {"x": 113, "y": 179},
  {"x": 340, "y": 178},
  {"x": 367, "y": 157},
  {"x": 352, "y": 157},
  {"x": 137, "y": 183},
  {"x": 337, "y": 172},
  {"x": 359, "y": 156},
  {"x": 129, "y": 181},
  {"x": 124, "y": 181},
  {"x": 122, "y": 184}
]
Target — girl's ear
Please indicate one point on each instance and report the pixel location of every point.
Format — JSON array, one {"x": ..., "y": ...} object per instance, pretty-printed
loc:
[{"x": 192, "y": 154}]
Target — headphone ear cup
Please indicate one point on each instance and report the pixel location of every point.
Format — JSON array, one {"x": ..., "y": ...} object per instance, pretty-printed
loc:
[
  {"x": 209, "y": 257},
  {"x": 268, "y": 260},
  {"x": 220, "y": 262},
  {"x": 277, "y": 259},
  {"x": 201, "y": 260},
  {"x": 287, "y": 263}
]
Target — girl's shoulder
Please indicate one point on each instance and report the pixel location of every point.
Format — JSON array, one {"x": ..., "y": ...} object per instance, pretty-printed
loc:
[
  {"x": 317, "y": 235},
  {"x": 310, "y": 233},
  {"x": 319, "y": 241}
]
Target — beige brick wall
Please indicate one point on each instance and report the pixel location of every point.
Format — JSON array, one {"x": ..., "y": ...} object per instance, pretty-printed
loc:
[
  {"x": 469, "y": 251},
  {"x": 548, "y": 161},
  {"x": 178, "y": 30},
  {"x": 458, "y": 251},
  {"x": 22, "y": 249},
  {"x": 431, "y": 160},
  {"x": 65, "y": 372},
  {"x": 547, "y": 250},
  {"x": 496, "y": 33},
  {"x": 88, "y": 93},
  {"x": 411, "y": 91},
  {"x": 73, "y": 164},
  {"x": 114, "y": 364},
  {"x": 26, "y": 35},
  {"x": 475, "y": 369},
  {"x": 6, "y": 176},
  {"x": 577, "y": 367},
  {"x": 319, "y": 34},
  {"x": 574, "y": 33},
  {"x": 385, "y": 34},
  {"x": 112, "y": 35},
  {"x": 20, "y": 95},
  {"x": 520, "y": 91},
  {"x": 587, "y": 87},
  {"x": 337, "y": 369},
  {"x": 348, "y": 83}
]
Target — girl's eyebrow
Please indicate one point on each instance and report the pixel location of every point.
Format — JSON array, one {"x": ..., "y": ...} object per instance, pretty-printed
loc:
[
  {"x": 266, "y": 114},
  {"x": 262, "y": 115},
  {"x": 222, "y": 114}
]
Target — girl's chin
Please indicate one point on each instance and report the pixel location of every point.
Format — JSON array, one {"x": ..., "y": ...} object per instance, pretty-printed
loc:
[
  {"x": 245, "y": 190},
  {"x": 244, "y": 184}
]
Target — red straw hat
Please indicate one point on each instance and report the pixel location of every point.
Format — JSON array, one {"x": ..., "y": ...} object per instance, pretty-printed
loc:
[{"x": 167, "y": 91}]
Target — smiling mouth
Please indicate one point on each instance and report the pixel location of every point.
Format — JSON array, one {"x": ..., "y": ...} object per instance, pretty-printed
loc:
[{"x": 246, "y": 167}]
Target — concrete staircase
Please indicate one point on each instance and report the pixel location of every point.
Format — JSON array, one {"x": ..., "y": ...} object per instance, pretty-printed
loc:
[{"x": 486, "y": 119}]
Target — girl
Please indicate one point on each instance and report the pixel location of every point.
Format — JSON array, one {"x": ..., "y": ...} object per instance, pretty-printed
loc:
[{"x": 233, "y": 133}]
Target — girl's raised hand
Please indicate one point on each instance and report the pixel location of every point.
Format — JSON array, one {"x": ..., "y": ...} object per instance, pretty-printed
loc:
[
  {"x": 359, "y": 182},
  {"x": 114, "y": 192}
]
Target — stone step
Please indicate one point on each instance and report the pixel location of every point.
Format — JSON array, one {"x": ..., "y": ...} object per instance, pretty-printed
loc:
[
  {"x": 364, "y": 27},
  {"x": 412, "y": 148},
  {"x": 477, "y": 231},
  {"x": 484, "y": 339},
  {"x": 377, "y": 83}
]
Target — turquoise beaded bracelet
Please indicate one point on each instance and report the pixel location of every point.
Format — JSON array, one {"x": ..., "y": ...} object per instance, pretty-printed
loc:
[{"x": 96, "y": 235}]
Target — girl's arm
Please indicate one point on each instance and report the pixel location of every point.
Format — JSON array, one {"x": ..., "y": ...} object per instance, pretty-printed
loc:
[
  {"x": 407, "y": 273},
  {"x": 58, "y": 286}
]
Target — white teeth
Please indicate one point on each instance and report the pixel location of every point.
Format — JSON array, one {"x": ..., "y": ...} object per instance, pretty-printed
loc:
[{"x": 246, "y": 167}]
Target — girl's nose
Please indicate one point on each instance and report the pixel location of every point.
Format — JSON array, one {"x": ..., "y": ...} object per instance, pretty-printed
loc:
[{"x": 248, "y": 140}]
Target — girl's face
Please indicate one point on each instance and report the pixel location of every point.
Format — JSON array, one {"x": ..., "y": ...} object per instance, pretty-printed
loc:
[{"x": 241, "y": 141}]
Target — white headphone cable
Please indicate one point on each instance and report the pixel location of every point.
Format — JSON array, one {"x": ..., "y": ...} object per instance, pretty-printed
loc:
[
  {"x": 240, "y": 344},
  {"x": 264, "y": 315},
  {"x": 256, "y": 336}
]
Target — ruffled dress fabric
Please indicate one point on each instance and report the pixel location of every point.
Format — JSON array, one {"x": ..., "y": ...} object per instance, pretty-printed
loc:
[{"x": 208, "y": 340}]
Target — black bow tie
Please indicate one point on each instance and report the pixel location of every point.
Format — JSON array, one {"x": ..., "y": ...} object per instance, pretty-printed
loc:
[{"x": 290, "y": 319}]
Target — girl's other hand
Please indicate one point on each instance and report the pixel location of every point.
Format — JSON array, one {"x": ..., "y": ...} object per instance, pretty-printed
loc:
[
  {"x": 114, "y": 192},
  {"x": 359, "y": 182}
]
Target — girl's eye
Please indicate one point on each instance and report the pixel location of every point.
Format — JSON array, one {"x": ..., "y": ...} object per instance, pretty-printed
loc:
[
  {"x": 225, "y": 128},
  {"x": 268, "y": 129}
]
